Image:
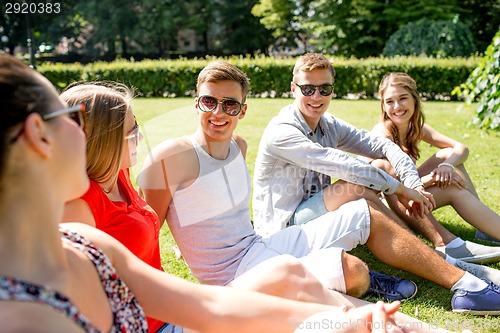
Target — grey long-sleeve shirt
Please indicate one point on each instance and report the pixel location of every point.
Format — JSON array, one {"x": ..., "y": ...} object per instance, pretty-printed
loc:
[{"x": 290, "y": 151}]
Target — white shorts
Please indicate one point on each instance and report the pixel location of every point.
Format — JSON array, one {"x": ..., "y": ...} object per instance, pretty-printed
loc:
[{"x": 318, "y": 244}]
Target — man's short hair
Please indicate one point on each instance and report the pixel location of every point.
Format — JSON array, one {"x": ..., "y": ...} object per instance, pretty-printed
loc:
[
  {"x": 311, "y": 61},
  {"x": 223, "y": 71}
]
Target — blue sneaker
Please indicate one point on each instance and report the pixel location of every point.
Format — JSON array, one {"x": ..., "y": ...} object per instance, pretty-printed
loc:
[
  {"x": 391, "y": 288},
  {"x": 485, "y": 237},
  {"x": 483, "y": 302}
]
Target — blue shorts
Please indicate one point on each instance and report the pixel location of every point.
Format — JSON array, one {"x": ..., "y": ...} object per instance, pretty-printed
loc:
[{"x": 309, "y": 209}]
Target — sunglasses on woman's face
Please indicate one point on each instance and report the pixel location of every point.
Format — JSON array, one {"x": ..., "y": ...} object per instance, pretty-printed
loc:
[
  {"x": 310, "y": 89},
  {"x": 134, "y": 132},
  {"x": 75, "y": 113},
  {"x": 230, "y": 106}
]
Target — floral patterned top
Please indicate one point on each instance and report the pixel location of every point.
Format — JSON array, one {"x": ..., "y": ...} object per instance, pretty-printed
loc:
[{"x": 128, "y": 314}]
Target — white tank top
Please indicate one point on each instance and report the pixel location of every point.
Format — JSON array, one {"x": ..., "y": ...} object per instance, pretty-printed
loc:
[{"x": 210, "y": 219}]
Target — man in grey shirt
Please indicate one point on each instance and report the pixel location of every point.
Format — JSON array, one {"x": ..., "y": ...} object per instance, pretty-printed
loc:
[{"x": 304, "y": 146}]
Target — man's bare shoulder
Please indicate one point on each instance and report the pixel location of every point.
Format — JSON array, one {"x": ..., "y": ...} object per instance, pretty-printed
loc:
[
  {"x": 170, "y": 149},
  {"x": 174, "y": 160}
]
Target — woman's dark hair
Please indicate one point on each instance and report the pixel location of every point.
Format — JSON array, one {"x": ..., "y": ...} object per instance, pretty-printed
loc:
[{"x": 21, "y": 93}]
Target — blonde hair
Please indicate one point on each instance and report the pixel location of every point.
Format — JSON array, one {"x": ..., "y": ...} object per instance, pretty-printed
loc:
[
  {"x": 223, "y": 71},
  {"x": 414, "y": 135},
  {"x": 311, "y": 61},
  {"x": 106, "y": 104}
]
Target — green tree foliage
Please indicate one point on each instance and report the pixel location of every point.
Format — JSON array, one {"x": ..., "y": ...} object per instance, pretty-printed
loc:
[
  {"x": 157, "y": 24},
  {"x": 483, "y": 19},
  {"x": 18, "y": 22},
  {"x": 483, "y": 85},
  {"x": 362, "y": 27},
  {"x": 243, "y": 33},
  {"x": 286, "y": 19},
  {"x": 431, "y": 38}
]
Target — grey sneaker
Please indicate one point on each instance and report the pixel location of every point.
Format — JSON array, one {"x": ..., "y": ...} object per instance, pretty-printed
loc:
[
  {"x": 485, "y": 237},
  {"x": 482, "y": 272},
  {"x": 472, "y": 252}
]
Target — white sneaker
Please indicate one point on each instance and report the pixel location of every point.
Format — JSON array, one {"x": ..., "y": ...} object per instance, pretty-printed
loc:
[
  {"x": 482, "y": 272},
  {"x": 472, "y": 252}
]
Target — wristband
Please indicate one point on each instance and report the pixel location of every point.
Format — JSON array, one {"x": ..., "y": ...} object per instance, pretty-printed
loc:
[{"x": 448, "y": 165}]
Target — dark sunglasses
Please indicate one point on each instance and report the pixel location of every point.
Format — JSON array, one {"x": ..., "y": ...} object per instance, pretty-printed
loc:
[
  {"x": 75, "y": 113},
  {"x": 231, "y": 107},
  {"x": 310, "y": 89}
]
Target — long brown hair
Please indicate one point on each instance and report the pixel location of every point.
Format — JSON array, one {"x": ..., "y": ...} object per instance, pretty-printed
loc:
[
  {"x": 106, "y": 104},
  {"x": 414, "y": 135}
]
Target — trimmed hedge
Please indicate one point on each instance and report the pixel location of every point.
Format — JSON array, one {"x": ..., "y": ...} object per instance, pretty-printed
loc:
[{"x": 270, "y": 77}]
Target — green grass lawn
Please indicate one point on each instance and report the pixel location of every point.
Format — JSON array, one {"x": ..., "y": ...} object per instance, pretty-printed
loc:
[{"x": 161, "y": 119}]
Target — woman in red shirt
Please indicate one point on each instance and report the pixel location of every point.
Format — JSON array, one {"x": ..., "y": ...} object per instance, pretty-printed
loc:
[{"x": 112, "y": 204}]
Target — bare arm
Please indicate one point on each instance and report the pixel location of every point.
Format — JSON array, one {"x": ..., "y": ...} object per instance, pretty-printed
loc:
[
  {"x": 439, "y": 140},
  {"x": 171, "y": 165},
  {"x": 443, "y": 174}
]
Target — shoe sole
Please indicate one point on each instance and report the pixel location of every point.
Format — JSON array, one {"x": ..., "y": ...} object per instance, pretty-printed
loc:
[
  {"x": 483, "y": 259},
  {"x": 477, "y": 312}
]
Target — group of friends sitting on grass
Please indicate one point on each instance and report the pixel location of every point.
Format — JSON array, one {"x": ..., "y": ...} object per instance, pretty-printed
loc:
[{"x": 321, "y": 187}]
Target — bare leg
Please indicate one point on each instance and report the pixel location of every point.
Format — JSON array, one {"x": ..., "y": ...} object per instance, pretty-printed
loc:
[
  {"x": 429, "y": 227},
  {"x": 398, "y": 247},
  {"x": 469, "y": 207}
]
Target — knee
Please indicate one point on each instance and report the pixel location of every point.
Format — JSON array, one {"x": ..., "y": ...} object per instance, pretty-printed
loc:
[
  {"x": 356, "y": 275},
  {"x": 344, "y": 191},
  {"x": 445, "y": 153},
  {"x": 384, "y": 165}
]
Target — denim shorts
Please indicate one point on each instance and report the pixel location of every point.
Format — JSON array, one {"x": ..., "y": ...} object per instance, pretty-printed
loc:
[
  {"x": 170, "y": 328},
  {"x": 309, "y": 209}
]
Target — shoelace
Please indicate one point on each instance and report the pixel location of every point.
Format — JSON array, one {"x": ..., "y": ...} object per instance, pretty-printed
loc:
[
  {"x": 492, "y": 285},
  {"x": 380, "y": 282},
  {"x": 469, "y": 268}
]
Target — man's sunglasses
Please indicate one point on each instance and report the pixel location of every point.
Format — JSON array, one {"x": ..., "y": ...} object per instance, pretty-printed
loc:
[
  {"x": 231, "y": 107},
  {"x": 75, "y": 113},
  {"x": 310, "y": 89}
]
